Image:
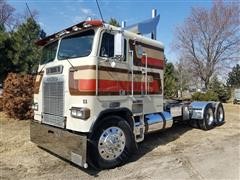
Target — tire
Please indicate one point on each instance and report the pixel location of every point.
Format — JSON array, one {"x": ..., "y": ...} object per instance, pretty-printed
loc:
[
  {"x": 220, "y": 115},
  {"x": 112, "y": 143},
  {"x": 207, "y": 122}
]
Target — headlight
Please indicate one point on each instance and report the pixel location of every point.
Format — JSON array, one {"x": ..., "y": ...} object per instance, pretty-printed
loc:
[
  {"x": 81, "y": 113},
  {"x": 35, "y": 106}
]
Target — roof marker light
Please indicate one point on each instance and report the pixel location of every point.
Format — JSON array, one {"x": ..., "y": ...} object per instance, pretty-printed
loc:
[
  {"x": 75, "y": 28},
  {"x": 86, "y": 25}
]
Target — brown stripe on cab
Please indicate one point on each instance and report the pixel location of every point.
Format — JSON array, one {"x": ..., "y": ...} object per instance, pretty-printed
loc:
[{"x": 111, "y": 81}]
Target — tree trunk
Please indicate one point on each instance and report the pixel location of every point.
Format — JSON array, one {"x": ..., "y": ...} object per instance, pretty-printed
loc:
[{"x": 206, "y": 83}]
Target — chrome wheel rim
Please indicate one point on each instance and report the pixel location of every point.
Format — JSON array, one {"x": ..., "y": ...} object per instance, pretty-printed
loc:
[
  {"x": 220, "y": 114},
  {"x": 111, "y": 143},
  {"x": 210, "y": 117}
]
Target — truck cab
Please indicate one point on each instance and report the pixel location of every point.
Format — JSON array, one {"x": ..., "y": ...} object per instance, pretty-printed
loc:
[{"x": 99, "y": 90}]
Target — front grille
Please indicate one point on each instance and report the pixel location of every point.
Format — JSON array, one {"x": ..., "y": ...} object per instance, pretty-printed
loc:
[{"x": 53, "y": 102}]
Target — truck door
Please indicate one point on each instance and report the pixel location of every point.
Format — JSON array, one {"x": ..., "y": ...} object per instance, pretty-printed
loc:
[
  {"x": 139, "y": 69},
  {"x": 146, "y": 81},
  {"x": 113, "y": 72}
]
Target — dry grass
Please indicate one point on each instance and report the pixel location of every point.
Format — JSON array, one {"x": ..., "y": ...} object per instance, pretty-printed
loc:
[{"x": 178, "y": 153}]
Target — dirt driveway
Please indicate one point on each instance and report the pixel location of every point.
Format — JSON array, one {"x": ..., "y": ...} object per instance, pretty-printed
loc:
[{"x": 178, "y": 153}]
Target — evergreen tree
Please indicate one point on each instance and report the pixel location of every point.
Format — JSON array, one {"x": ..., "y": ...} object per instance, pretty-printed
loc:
[
  {"x": 114, "y": 22},
  {"x": 222, "y": 91},
  {"x": 234, "y": 77},
  {"x": 2, "y": 27},
  {"x": 5, "y": 45},
  {"x": 169, "y": 81},
  {"x": 215, "y": 84},
  {"x": 25, "y": 54}
]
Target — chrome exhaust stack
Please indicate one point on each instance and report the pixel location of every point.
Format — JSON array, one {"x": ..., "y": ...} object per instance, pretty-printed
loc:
[
  {"x": 158, "y": 121},
  {"x": 154, "y": 33},
  {"x": 123, "y": 24}
]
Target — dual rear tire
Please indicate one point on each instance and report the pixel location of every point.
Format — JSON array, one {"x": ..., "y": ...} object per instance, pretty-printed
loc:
[
  {"x": 220, "y": 115},
  {"x": 210, "y": 119}
]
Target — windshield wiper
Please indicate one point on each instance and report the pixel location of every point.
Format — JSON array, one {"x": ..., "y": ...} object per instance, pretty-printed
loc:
[{"x": 67, "y": 58}]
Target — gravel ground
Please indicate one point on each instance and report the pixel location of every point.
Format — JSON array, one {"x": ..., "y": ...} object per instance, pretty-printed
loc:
[{"x": 178, "y": 153}]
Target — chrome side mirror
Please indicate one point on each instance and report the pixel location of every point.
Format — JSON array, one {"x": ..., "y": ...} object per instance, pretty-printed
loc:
[{"x": 118, "y": 45}]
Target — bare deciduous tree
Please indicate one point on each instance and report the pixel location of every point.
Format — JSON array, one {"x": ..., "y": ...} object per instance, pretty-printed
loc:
[
  {"x": 184, "y": 77},
  {"x": 209, "y": 38},
  {"x": 11, "y": 20},
  {"x": 6, "y": 13}
]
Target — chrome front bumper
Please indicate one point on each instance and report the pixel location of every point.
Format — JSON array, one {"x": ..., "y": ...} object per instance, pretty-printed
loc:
[{"x": 70, "y": 146}]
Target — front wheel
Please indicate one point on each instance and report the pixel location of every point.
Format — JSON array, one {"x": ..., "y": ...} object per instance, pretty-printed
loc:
[{"x": 112, "y": 143}]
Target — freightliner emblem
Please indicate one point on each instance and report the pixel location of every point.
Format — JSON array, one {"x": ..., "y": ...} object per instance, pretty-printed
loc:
[{"x": 52, "y": 79}]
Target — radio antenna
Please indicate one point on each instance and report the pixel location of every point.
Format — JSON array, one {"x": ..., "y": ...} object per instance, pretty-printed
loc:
[
  {"x": 29, "y": 11},
  {"x": 99, "y": 10}
]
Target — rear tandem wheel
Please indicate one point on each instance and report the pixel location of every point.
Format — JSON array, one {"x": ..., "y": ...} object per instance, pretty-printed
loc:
[{"x": 210, "y": 118}]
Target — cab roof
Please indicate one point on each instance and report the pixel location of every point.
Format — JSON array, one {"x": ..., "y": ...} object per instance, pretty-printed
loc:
[
  {"x": 74, "y": 28},
  {"x": 96, "y": 23}
]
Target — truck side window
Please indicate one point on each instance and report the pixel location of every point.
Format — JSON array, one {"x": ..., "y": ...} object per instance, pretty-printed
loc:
[{"x": 107, "y": 46}]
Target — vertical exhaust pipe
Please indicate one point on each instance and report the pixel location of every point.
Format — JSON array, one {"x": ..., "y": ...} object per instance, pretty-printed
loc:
[
  {"x": 89, "y": 18},
  {"x": 154, "y": 33},
  {"x": 123, "y": 24}
]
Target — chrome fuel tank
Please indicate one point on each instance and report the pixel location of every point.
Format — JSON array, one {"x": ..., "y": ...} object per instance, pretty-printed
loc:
[{"x": 158, "y": 121}]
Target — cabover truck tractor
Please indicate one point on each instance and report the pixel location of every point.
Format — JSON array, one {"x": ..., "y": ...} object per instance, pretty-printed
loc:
[{"x": 99, "y": 91}]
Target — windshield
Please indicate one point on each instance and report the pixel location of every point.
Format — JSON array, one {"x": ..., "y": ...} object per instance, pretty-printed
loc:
[
  {"x": 78, "y": 45},
  {"x": 49, "y": 52}
]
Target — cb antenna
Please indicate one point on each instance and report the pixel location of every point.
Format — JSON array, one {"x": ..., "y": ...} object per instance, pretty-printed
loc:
[
  {"x": 99, "y": 10},
  {"x": 29, "y": 11}
]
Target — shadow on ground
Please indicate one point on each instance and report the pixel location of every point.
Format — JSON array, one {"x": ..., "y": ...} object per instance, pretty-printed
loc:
[
  {"x": 160, "y": 138},
  {"x": 150, "y": 142}
]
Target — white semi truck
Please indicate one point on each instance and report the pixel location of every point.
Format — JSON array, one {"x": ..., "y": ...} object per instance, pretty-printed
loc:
[{"x": 99, "y": 90}]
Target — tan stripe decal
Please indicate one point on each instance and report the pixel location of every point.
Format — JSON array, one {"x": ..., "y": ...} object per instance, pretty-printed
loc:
[
  {"x": 108, "y": 75},
  {"x": 37, "y": 83}
]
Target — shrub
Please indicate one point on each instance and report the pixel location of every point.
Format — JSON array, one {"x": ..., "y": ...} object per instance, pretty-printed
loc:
[
  {"x": 224, "y": 94},
  {"x": 18, "y": 95},
  {"x": 208, "y": 96},
  {"x": 196, "y": 96}
]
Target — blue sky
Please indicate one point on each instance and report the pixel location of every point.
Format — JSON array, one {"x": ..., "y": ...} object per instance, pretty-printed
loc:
[{"x": 54, "y": 15}]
